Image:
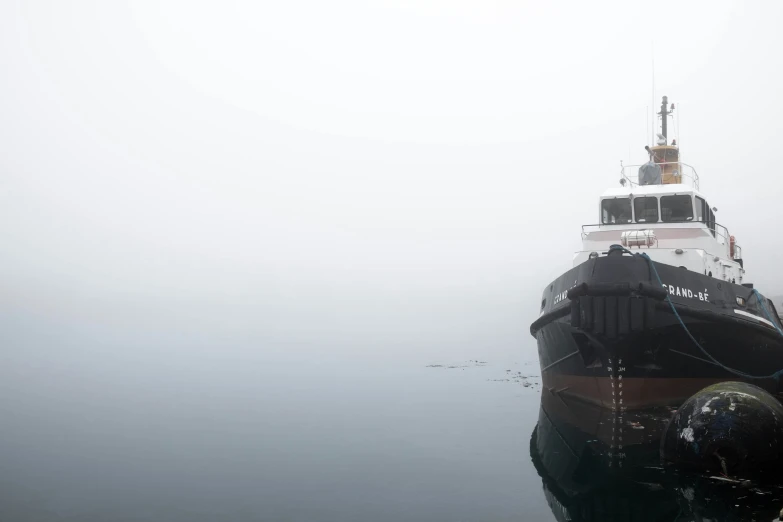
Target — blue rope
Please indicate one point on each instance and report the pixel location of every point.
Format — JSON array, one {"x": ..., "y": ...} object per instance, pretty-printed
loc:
[
  {"x": 766, "y": 312},
  {"x": 777, "y": 375}
]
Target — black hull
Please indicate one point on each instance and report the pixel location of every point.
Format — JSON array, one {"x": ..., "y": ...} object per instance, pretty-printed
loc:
[{"x": 609, "y": 336}]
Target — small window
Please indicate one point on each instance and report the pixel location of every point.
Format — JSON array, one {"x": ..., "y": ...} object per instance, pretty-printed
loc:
[
  {"x": 700, "y": 206},
  {"x": 676, "y": 208},
  {"x": 710, "y": 217},
  {"x": 617, "y": 210},
  {"x": 646, "y": 209},
  {"x": 701, "y": 210}
]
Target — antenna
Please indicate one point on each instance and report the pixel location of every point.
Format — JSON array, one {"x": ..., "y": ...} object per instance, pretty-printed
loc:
[
  {"x": 678, "y": 126},
  {"x": 652, "y": 105}
]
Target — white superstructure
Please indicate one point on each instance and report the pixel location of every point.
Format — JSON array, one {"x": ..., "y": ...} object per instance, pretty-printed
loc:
[{"x": 666, "y": 216}]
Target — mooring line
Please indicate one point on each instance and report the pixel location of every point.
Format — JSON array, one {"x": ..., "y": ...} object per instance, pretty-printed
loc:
[{"x": 738, "y": 373}]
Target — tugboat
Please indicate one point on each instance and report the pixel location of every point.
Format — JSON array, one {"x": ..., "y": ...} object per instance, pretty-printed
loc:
[{"x": 657, "y": 305}]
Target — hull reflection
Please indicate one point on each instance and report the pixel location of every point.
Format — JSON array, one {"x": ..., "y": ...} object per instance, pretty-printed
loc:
[{"x": 599, "y": 465}]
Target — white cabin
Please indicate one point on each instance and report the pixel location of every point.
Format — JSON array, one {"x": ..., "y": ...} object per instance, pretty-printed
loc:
[{"x": 670, "y": 221}]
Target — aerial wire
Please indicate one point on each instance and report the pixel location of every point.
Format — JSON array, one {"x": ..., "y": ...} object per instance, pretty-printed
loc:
[
  {"x": 652, "y": 128},
  {"x": 679, "y": 140}
]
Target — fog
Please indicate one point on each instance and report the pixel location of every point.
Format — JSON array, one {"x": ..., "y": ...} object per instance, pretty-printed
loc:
[
  {"x": 374, "y": 180},
  {"x": 199, "y": 196}
]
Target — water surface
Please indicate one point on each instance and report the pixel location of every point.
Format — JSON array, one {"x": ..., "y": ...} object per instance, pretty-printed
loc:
[{"x": 241, "y": 436}]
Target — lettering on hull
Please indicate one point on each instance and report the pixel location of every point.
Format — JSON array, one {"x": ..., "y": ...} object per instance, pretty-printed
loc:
[
  {"x": 562, "y": 296},
  {"x": 680, "y": 291}
]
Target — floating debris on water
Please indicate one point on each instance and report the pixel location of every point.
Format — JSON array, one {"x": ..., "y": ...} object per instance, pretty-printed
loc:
[
  {"x": 510, "y": 375},
  {"x": 466, "y": 364}
]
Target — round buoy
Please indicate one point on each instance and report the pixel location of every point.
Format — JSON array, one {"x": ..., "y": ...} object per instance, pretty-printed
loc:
[{"x": 731, "y": 428}]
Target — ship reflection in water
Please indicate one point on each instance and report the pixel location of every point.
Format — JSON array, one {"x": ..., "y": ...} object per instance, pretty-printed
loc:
[{"x": 599, "y": 465}]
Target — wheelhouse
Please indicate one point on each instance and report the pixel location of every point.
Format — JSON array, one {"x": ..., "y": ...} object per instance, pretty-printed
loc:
[{"x": 655, "y": 204}]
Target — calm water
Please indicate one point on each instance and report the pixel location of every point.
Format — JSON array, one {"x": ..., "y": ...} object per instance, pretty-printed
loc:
[
  {"x": 245, "y": 438},
  {"x": 239, "y": 437}
]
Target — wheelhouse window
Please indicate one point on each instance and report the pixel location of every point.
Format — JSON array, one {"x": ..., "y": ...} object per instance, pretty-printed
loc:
[
  {"x": 617, "y": 210},
  {"x": 646, "y": 209},
  {"x": 701, "y": 205},
  {"x": 676, "y": 208},
  {"x": 705, "y": 214},
  {"x": 710, "y": 215}
]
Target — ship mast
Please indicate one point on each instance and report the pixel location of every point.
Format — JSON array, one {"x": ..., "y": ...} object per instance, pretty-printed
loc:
[
  {"x": 665, "y": 156},
  {"x": 664, "y": 114}
]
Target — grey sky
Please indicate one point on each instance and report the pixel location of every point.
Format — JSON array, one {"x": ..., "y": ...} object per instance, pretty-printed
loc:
[{"x": 382, "y": 177}]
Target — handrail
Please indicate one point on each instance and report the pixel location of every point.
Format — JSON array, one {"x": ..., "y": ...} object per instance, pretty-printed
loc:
[
  {"x": 686, "y": 172},
  {"x": 638, "y": 224},
  {"x": 726, "y": 240},
  {"x": 722, "y": 234}
]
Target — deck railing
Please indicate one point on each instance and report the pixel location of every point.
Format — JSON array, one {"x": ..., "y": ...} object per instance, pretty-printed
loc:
[
  {"x": 686, "y": 173},
  {"x": 721, "y": 233}
]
